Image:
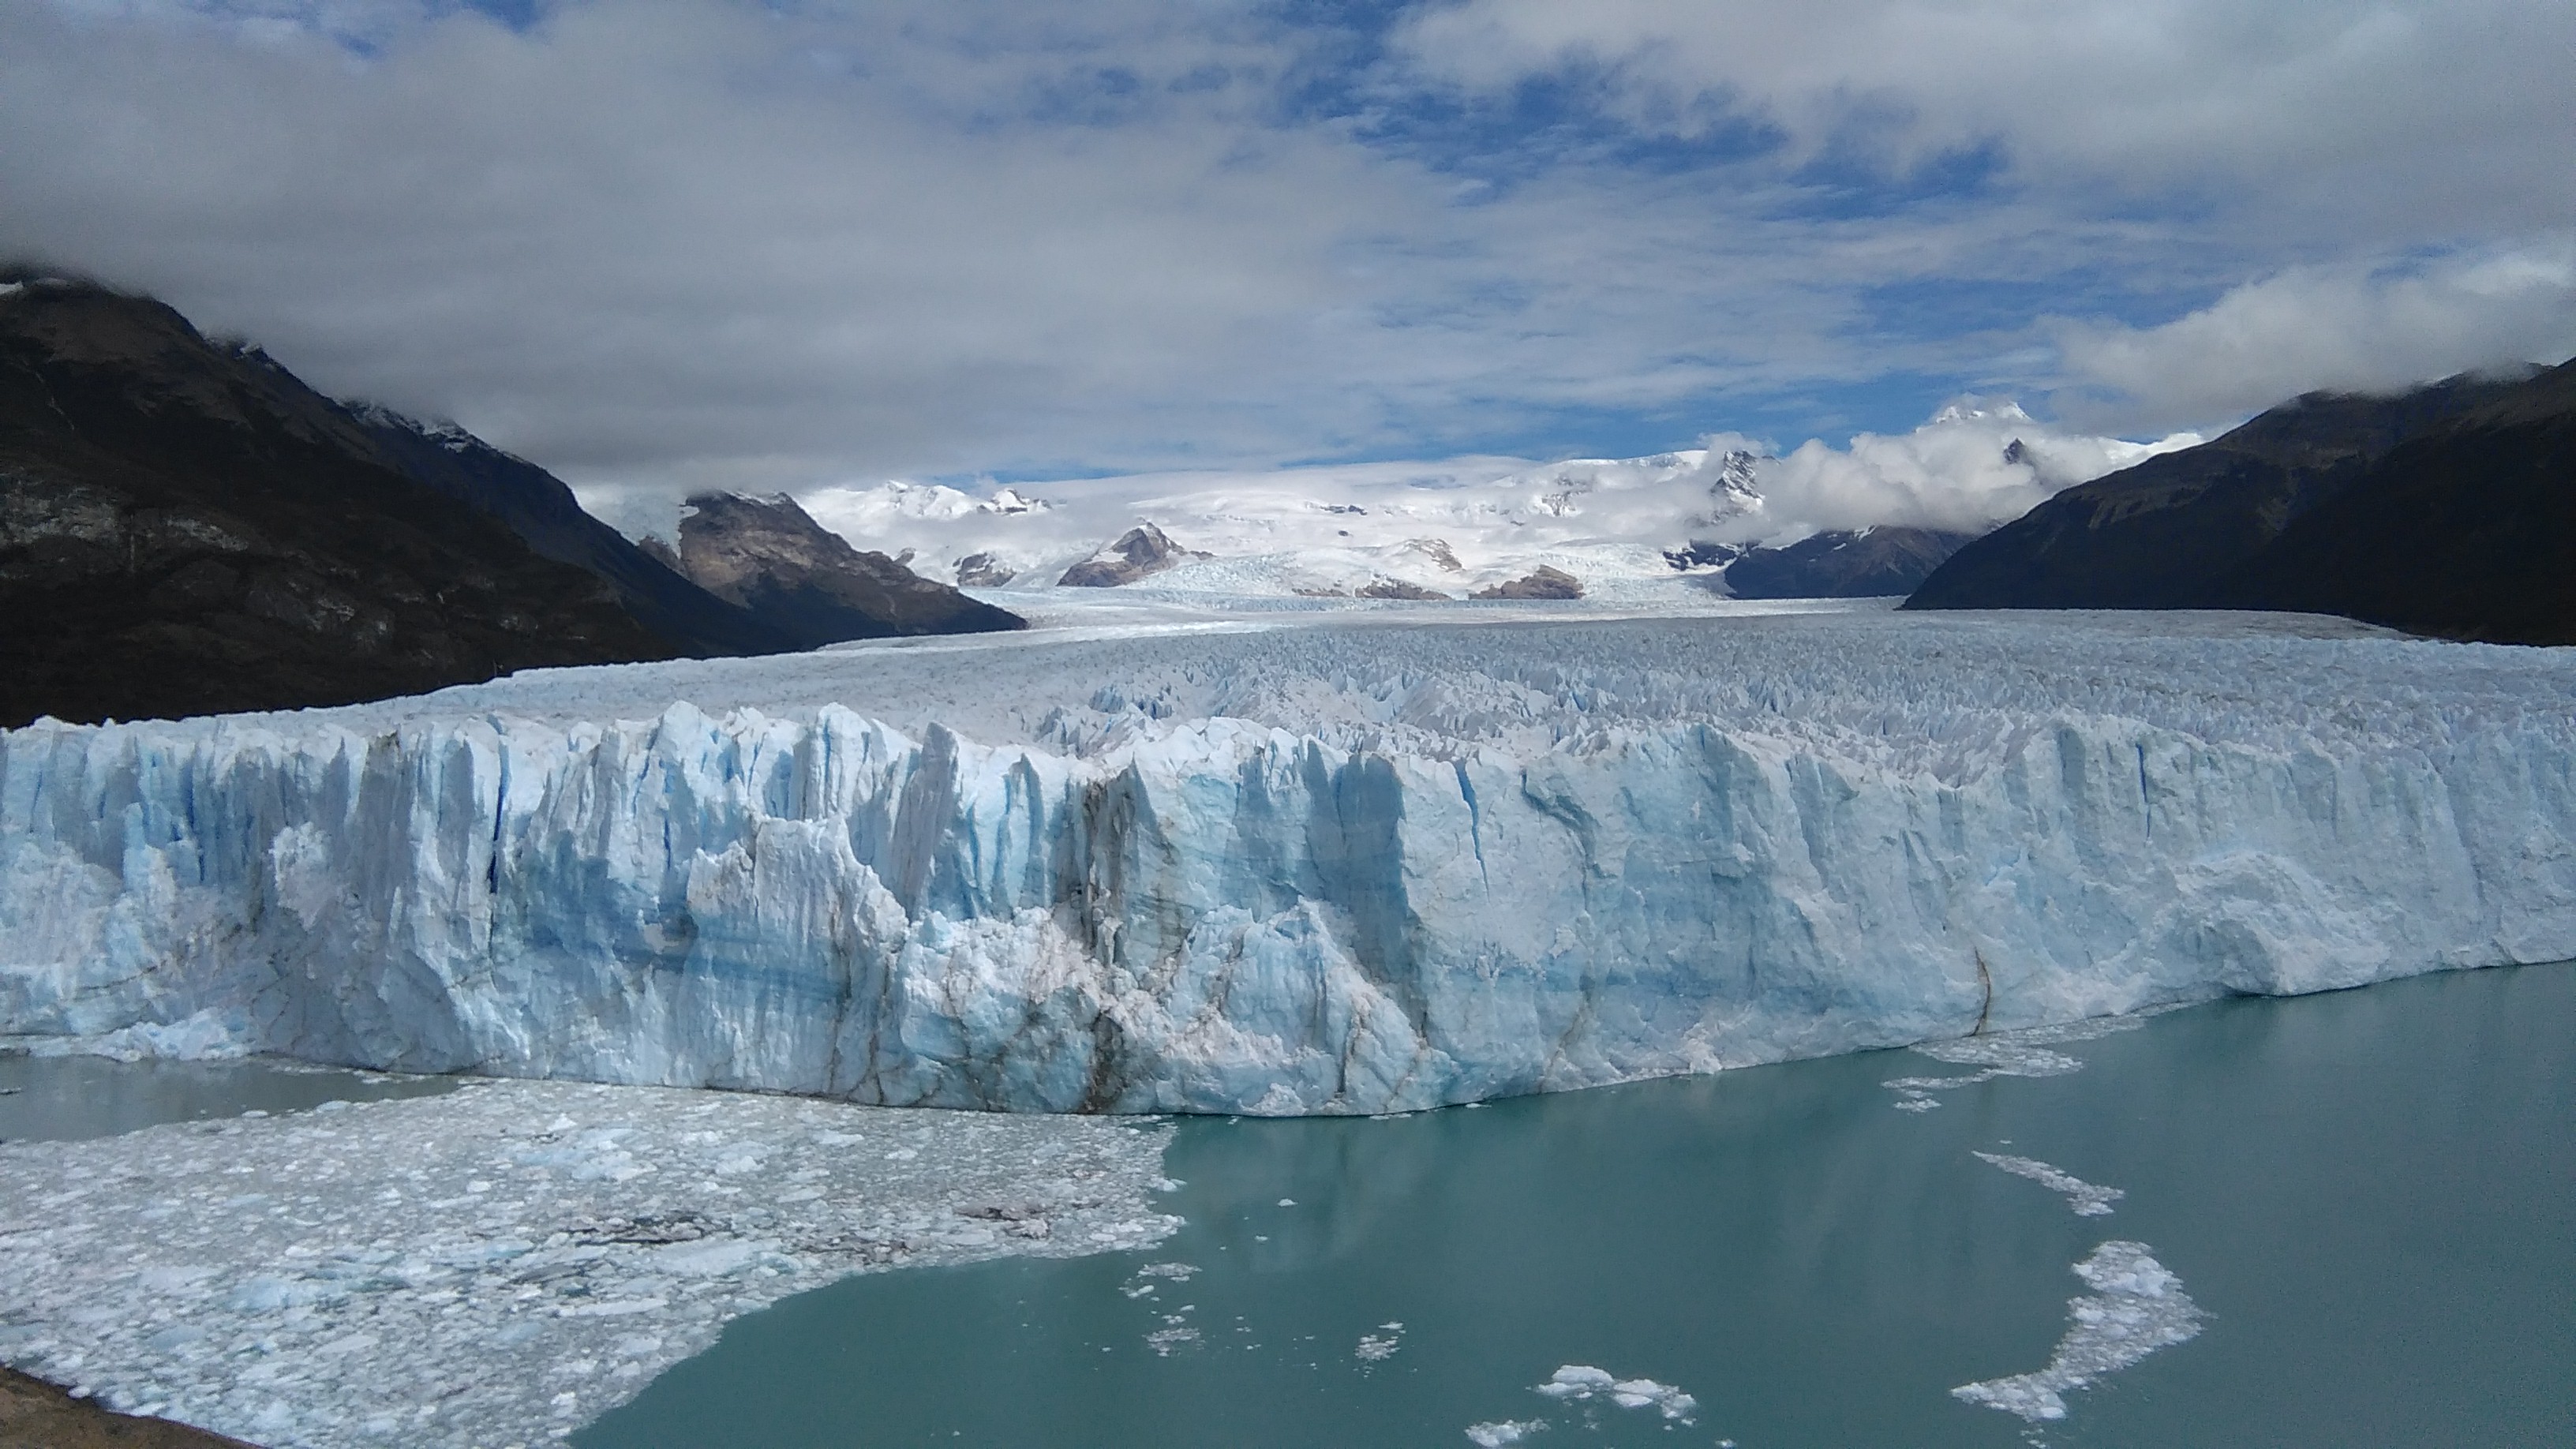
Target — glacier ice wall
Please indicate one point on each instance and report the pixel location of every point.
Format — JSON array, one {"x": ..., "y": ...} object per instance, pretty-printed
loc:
[{"x": 1324, "y": 872}]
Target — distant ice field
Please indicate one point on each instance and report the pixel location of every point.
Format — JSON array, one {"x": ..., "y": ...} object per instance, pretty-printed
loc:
[
  {"x": 1561, "y": 669},
  {"x": 1164, "y": 852}
]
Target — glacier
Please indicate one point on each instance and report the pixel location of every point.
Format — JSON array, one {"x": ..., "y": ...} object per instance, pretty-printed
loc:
[{"x": 1358, "y": 862}]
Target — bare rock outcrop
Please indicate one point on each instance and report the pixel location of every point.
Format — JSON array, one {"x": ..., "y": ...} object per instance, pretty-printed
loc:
[
  {"x": 770, "y": 557},
  {"x": 1539, "y": 583},
  {"x": 1397, "y": 589},
  {"x": 983, "y": 571},
  {"x": 1139, "y": 552}
]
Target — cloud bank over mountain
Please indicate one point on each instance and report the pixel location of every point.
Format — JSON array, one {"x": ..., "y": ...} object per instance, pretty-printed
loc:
[{"x": 672, "y": 244}]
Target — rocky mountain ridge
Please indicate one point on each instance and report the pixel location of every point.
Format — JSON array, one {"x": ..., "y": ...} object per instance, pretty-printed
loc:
[
  {"x": 187, "y": 528},
  {"x": 2176, "y": 530},
  {"x": 541, "y": 510},
  {"x": 800, "y": 579},
  {"x": 2449, "y": 509}
]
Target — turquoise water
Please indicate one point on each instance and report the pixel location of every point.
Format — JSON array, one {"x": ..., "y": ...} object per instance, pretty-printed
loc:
[
  {"x": 62, "y": 1099},
  {"x": 2371, "y": 1197}
]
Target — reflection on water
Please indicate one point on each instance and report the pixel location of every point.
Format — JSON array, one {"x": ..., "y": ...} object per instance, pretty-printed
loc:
[
  {"x": 63, "y": 1099},
  {"x": 2370, "y": 1196}
]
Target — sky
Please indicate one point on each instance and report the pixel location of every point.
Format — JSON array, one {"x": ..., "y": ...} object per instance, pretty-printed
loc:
[{"x": 660, "y": 245}]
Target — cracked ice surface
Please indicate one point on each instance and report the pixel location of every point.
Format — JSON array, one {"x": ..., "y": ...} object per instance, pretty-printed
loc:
[
  {"x": 1353, "y": 868},
  {"x": 506, "y": 1261}
]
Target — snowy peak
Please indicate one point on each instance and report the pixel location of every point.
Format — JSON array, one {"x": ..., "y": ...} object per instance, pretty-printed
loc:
[{"x": 1619, "y": 526}]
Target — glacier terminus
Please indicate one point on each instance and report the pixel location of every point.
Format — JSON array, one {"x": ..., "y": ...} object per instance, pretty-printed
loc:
[{"x": 1348, "y": 863}]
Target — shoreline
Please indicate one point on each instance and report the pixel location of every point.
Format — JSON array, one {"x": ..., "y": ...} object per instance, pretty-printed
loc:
[{"x": 38, "y": 1414}]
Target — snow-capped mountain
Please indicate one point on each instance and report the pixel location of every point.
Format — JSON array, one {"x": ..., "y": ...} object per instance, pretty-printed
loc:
[{"x": 1455, "y": 528}]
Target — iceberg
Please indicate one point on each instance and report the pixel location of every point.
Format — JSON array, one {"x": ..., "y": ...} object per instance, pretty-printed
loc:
[{"x": 1337, "y": 865}]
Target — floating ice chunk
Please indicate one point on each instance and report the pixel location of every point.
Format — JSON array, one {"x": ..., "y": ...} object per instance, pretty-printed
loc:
[
  {"x": 2138, "y": 1307},
  {"x": 1379, "y": 1347},
  {"x": 1580, "y": 1383},
  {"x": 1503, "y": 1433},
  {"x": 713, "y": 1258},
  {"x": 1664, "y": 1399},
  {"x": 2087, "y": 1199},
  {"x": 1577, "y": 1381},
  {"x": 270, "y": 1295},
  {"x": 1164, "y": 1340},
  {"x": 2004, "y": 1054}
]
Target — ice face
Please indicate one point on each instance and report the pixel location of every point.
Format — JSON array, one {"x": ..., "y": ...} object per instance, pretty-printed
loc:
[{"x": 1295, "y": 870}]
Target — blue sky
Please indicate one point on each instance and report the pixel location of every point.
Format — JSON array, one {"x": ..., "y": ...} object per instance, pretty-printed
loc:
[{"x": 685, "y": 243}]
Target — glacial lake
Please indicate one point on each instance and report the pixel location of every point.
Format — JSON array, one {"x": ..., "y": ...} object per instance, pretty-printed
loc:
[
  {"x": 65, "y": 1099},
  {"x": 2369, "y": 1196}
]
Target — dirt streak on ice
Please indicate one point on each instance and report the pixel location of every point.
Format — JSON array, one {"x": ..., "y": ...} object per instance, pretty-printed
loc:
[{"x": 503, "y": 1263}]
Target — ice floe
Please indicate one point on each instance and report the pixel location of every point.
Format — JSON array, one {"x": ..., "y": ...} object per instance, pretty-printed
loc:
[
  {"x": 1380, "y": 1346},
  {"x": 1582, "y": 1383},
  {"x": 2137, "y": 1307},
  {"x": 501, "y": 1263},
  {"x": 2089, "y": 1200},
  {"x": 2024, "y": 1053}
]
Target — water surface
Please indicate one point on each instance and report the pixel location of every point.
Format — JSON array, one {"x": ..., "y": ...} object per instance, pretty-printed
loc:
[
  {"x": 2371, "y": 1195},
  {"x": 65, "y": 1099}
]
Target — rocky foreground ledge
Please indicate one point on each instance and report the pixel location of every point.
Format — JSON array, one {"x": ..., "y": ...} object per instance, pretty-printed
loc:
[{"x": 500, "y": 1264}]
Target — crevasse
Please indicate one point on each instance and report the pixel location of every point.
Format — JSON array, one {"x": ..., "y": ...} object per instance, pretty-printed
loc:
[{"x": 1217, "y": 911}]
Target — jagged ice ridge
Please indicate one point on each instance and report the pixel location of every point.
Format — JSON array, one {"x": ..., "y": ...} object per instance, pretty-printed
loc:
[{"x": 1348, "y": 866}]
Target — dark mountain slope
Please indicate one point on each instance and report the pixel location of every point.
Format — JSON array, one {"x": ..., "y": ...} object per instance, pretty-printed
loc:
[
  {"x": 187, "y": 529},
  {"x": 2175, "y": 530},
  {"x": 1871, "y": 564},
  {"x": 2468, "y": 532},
  {"x": 537, "y": 506},
  {"x": 804, "y": 580}
]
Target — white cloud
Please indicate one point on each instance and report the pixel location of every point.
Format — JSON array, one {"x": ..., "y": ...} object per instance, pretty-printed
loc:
[
  {"x": 709, "y": 241},
  {"x": 2349, "y": 327},
  {"x": 2309, "y": 116},
  {"x": 1960, "y": 472},
  {"x": 665, "y": 244}
]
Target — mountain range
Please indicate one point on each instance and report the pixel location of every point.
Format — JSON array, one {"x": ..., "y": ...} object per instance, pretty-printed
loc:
[
  {"x": 1723, "y": 520},
  {"x": 187, "y": 528}
]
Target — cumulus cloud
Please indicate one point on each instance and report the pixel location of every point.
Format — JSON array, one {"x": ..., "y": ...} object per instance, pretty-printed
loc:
[{"x": 2351, "y": 328}]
